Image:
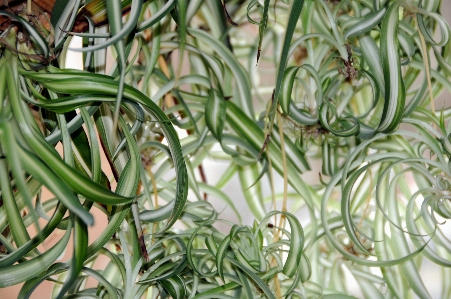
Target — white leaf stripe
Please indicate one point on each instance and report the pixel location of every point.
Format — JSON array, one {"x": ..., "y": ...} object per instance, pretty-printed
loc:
[
  {"x": 394, "y": 86},
  {"x": 366, "y": 24}
]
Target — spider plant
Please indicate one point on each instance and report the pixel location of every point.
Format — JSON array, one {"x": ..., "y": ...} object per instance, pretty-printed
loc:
[{"x": 276, "y": 91}]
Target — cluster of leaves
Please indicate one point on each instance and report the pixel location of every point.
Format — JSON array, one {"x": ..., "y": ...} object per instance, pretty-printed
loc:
[{"x": 354, "y": 89}]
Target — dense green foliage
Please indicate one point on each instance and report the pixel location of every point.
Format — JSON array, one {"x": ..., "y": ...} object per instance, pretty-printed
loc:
[{"x": 270, "y": 88}]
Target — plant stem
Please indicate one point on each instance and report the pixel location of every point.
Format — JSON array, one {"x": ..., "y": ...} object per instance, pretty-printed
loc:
[
  {"x": 284, "y": 161},
  {"x": 428, "y": 73},
  {"x": 164, "y": 68},
  {"x": 285, "y": 174},
  {"x": 155, "y": 194}
]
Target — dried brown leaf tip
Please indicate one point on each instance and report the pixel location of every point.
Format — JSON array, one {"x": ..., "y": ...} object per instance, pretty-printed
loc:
[
  {"x": 349, "y": 70},
  {"x": 300, "y": 53},
  {"x": 229, "y": 19},
  {"x": 315, "y": 130},
  {"x": 142, "y": 245}
]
